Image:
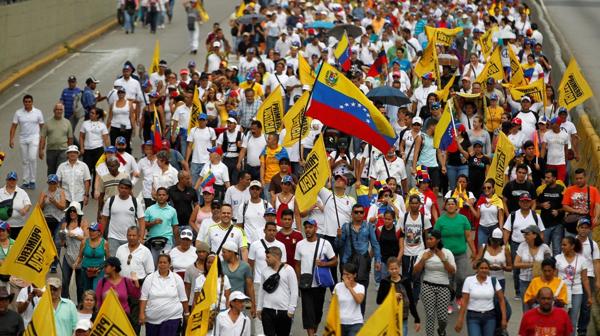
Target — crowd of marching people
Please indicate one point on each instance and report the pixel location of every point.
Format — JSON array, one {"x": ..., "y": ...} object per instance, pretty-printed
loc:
[{"x": 211, "y": 186}]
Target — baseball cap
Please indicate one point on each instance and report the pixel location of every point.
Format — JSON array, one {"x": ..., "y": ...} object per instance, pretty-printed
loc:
[
  {"x": 555, "y": 120},
  {"x": 83, "y": 324},
  {"x": 531, "y": 228},
  {"x": 4, "y": 225},
  {"x": 493, "y": 96},
  {"x": 72, "y": 78},
  {"x": 497, "y": 233},
  {"x": 237, "y": 295},
  {"x": 54, "y": 282},
  {"x": 126, "y": 182},
  {"x": 287, "y": 179},
  {"x": 417, "y": 120},
  {"x": 72, "y": 148},
  {"x": 120, "y": 140},
  {"x": 516, "y": 121},
  {"x": 208, "y": 189},
  {"x": 341, "y": 177},
  {"x": 91, "y": 80},
  {"x": 270, "y": 211},
  {"x": 525, "y": 197},
  {"x": 148, "y": 143},
  {"x": 94, "y": 226},
  {"x": 230, "y": 246},
  {"x": 110, "y": 149},
  {"x": 162, "y": 64},
  {"x": 191, "y": 64},
  {"x": 215, "y": 149},
  {"x": 525, "y": 98},
  {"x": 153, "y": 94},
  {"x": 202, "y": 116},
  {"x": 310, "y": 221},
  {"x": 187, "y": 234},
  {"x": 255, "y": 183},
  {"x": 216, "y": 44},
  {"x": 436, "y": 105},
  {"x": 231, "y": 120},
  {"x": 202, "y": 246},
  {"x": 12, "y": 176},
  {"x": 296, "y": 44},
  {"x": 184, "y": 72},
  {"x": 562, "y": 110},
  {"x": 477, "y": 143},
  {"x": 120, "y": 89},
  {"x": 429, "y": 76},
  {"x": 52, "y": 178},
  {"x": 584, "y": 221}
]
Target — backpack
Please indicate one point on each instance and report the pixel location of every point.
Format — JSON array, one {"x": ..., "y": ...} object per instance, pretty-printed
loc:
[
  {"x": 513, "y": 215},
  {"x": 78, "y": 110},
  {"x": 245, "y": 207},
  {"x": 225, "y": 144},
  {"x": 110, "y": 204}
]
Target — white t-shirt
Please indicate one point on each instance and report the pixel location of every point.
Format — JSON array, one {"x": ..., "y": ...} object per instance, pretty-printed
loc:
[
  {"x": 396, "y": 169},
  {"x": 164, "y": 179},
  {"x": 224, "y": 326},
  {"x": 122, "y": 216},
  {"x": 235, "y": 198},
  {"x": 305, "y": 251},
  {"x": 344, "y": 208},
  {"x": 20, "y": 202},
  {"x": 155, "y": 78},
  {"x": 253, "y": 219},
  {"x": 226, "y": 284},
  {"x": 133, "y": 89},
  {"x": 29, "y": 123},
  {"x": 496, "y": 260},
  {"x": 216, "y": 235},
  {"x": 523, "y": 252},
  {"x": 147, "y": 169},
  {"x": 182, "y": 116},
  {"x": 571, "y": 272},
  {"x": 163, "y": 296},
  {"x": 141, "y": 262},
  {"x": 517, "y": 139},
  {"x": 555, "y": 146},
  {"x": 93, "y": 130},
  {"x": 23, "y": 297},
  {"x": 254, "y": 146},
  {"x": 413, "y": 233},
  {"x": 350, "y": 312},
  {"x": 231, "y": 151},
  {"x": 587, "y": 252},
  {"x": 219, "y": 170},
  {"x": 489, "y": 215},
  {"x": 203, "y": 139},
  {"x": 434, "y": 270},
  {"x": 258, "y": 254},
  {"x": 481, "y": 294},
  {"x": 182, "y": 260},
  {"x": 520, "y": 224}
]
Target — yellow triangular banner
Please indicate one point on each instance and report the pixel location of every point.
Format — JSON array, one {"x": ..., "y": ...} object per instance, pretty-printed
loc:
[
  {"x": 314, "y": 177},
  {"x": 573, "y": 89},
  {"x": 270, "y": 112},
  {"x": 111, "y": 318},
  {"x": 42, "y": 321}
]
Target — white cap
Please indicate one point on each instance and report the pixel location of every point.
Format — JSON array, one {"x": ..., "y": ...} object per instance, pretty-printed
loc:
[
  {"x": 230, "y": 246},
  {"x": 232, "y": 120},
  {"x": 83, "y": 324},
  {"x": 217, "y": 44},
  {"x": 237, "y": 295},
  {"x": 417, "y": 120},
  {"x": 186, "y": 233},
  {"x": 255, "y": 183},
  {"x": 497, "y": 233},
  {"x": 73, "y": 148}
]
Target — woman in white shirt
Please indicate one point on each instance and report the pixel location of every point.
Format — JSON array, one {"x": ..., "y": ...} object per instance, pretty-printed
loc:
[
  {"x": 498, "y": 255},
  {"x": 530, "y": 255},
  {"x": 184, "y": 254},
  {"x": 350, "y": 295},
  {"x": 121, "y": 118},
  {"x": 163, "y": 303},
  {"x": 479, "y": 291},
  {"x": 572, "y": 268},
  {"x": 93, "y": 137},
  {"x": 437, "y": 264},
  {"x": 490, "y": 212}
]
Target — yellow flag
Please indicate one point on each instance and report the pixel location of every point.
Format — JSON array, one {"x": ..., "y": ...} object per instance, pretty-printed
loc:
[
  {"x": 202, "y": 12},
  {"x": 42, "y": 320},
  {"x": 486, "y": 42},
  {"x": 333, "y": 325},
  {"x": 573, "y": 89},
  {"x": 155, "y": 58},
  {"x": 535, "y": 90},
  {"x": 427, "y": 61},
  {"x": 307, "y": 75},
  {"x": 314, "y": 177},
  {"x": 270, "y": 112},
  {"x": 111, "y": 319},
  {"x": 198, "y": 320},
  {"x": 33, "y": 252},
  {"x": 493, "y": 69},
  {"x": 517, "y": 75},
  {"x": 294, "y": 120},
  {"x": 196, "y": 109},
  {"x": 443, "y": 36},
  {"x": 505, "y": 151},
  {"x": 443, "y": 93},
  {"x": 386, "y": 320},
  {"x": 241, "y": 8}
]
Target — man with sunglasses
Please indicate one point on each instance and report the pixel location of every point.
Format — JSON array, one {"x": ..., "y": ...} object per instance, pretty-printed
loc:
[
  {"x": 136, "y": 258},
  {"x": 355, "y": 239}
]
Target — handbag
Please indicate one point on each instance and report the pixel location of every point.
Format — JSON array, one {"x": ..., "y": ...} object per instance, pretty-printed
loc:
[
  {"x": 306, "y": 279},
  {"x": 323, "y": 277},
  {"x": 272, "y": 283},
  {"x": 92, "y": 272},
  {"x": 156, "y": 243},
  {"x": 6, "y": 207}
]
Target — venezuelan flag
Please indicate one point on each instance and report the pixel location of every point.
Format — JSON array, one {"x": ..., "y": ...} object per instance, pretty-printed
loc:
[
  {"x": 377, "y": 66},
  {"x": 156, "y": 132},
  {"x": 444, "y": 134},
  {"x": 208, "y": 180},
  {"x": 342, "y": 53},
  {"x": 338, "y": 103}
]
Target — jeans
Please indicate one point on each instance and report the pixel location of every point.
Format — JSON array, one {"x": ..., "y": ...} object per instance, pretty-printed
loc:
[
  {"x": 524, "y": 285},
  {"x": 128, "y": 22},
  {"x": 231, "y": 164},
  {"x": 271, "y": 40},
  {"x": 55, "y": 157},
  {"x": 554, "y": 235},
  {"x": 481, "y": 324},
  {"x": 405, "y": 327},
  {"x": 182, "y": 139},
  {"x": 29, "y": 152},
  {"x": 585, "y": 314},
  {"x": 113, "y": 245},
  {"x": 195, "y": 169},
  {"x": 166, "y": 328},
  {"x": 453, "y": 171},
  {"x": 156, "y": 252},
  {"x": 382, "y": 273},
  {"x": 351, "y": 329},
  {"x": 576, "y": 303},
  {"x": 153, "y": 19},
  {"x": 484, "y": 233},
  {"x": 516, "y": 272},
  {"x": 67, "y": 272},
  {"x": 408, "y": 264}
]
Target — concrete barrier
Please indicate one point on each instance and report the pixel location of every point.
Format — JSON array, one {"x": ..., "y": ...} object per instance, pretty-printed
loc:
[{"x": 32, "y": 27}]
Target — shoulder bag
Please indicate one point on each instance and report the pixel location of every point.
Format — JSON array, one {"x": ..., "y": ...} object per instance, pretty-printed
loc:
[{"x": 306, "y": 279}]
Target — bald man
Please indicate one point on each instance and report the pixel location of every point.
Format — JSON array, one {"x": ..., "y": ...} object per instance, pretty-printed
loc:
[{"x": 56, "y": 136}]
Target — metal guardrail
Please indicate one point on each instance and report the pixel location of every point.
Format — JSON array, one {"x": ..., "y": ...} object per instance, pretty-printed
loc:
[{"x": 10, "y": 2}]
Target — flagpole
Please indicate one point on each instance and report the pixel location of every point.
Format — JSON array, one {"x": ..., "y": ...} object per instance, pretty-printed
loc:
[{"x": 302, "y": 116}]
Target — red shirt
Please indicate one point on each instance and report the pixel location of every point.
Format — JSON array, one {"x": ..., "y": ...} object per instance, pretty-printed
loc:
[
  {"x": 290, "y": 242},
  {"x": 556, "y": 323}
]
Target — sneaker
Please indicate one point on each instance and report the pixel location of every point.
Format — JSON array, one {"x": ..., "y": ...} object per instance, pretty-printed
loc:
[
  {"x": 458, "y": 303},
  {"x": 517, "y": 298},
  {"x": 450, "y": 309}
]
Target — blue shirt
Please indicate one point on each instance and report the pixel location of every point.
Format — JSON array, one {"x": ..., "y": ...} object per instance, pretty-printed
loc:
[
  {"x": 68, "y": 98},
  {"x": 65, "y": 317},
  {"x": 359, "y": 241},
  {"x": 169, "y": 219},
  {"x": 88, "y": 99}
]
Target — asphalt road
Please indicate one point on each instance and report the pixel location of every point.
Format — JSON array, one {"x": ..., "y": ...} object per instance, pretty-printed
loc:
[{"x": 104, "y": 57}]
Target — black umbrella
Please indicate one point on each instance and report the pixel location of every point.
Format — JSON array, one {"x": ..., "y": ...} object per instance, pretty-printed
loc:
[
  {"x": 350, "y": 29},
  {"x": 388, "y": 95},
  {"x": 247, "y": 19}
]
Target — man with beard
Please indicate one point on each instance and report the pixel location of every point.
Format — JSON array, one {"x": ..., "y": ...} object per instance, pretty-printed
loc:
[{"x": 546, "y": 319}]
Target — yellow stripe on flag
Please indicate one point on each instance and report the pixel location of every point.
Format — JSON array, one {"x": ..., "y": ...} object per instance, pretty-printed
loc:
[
  {"x": 573, "y": 89},
  {"x": 270, "y": 112},
  {"x": 333, "y": 325},
  {"x": 294, "y": 120},
  {"x": 314, "y": 177},
  {"x": 307, "y": 75},
  {"x": 505, "y": 151},
  {"x": 535, "y": 90},
  {"x": 111, "y": 316},
  {"x": 42, "y": 321},
  {"x": 198, "y": 321}
]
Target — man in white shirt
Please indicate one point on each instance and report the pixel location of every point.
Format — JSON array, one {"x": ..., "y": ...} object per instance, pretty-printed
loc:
[
  {"x": 132, "y": 86},
  {"x": 554, "y": 149},
  {"x": 200, "y": 138},
  {"x": 136, "y": 259},
  {"x": 252, "y": 211},
  {"x": 237, "y": 194},
  {"x": 181, "y": 119},
  {"x": 389, "y": 166},
  {"x": 233, "y": 321},
  {"x": 568, "y": 126},
  {"x": 157, "y": 79},
  {"x": 118, "y": 214},
  {"x": 214, "y": 58},
  {"x": 419, "y": 97},
  {"x": 252, "y": 146},
  {"x": 226, "y": 231},
  {"x": 74, "y": 177},
  {"x": 276, "y": 308},
  {"x": 278, "y": 78},
  {"x": 283, "y": 44},
  {"x": 231, "y": 143}
]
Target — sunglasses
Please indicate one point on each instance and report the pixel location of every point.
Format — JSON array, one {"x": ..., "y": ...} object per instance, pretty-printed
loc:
[
  {"x": 359, "y": 212},
  {"x": 129, "y": 259}
]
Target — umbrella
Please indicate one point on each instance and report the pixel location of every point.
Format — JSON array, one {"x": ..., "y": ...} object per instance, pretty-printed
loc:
[
  {"x": 320, "y": 25},
  {"x": 388, "y": 95},
  {"x": 246, "y": 19},
  {"x": 351, "y": 30},
  {"x": 505, "y": 35}
]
